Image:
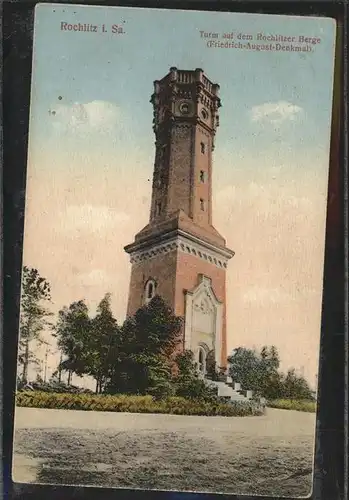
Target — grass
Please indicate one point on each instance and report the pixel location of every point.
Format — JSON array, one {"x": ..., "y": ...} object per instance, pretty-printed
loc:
[
  {"x": 293, "y": 404},
  {"x": 134, "y": 404}
]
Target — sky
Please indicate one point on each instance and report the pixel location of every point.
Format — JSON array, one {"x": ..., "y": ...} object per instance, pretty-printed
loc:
[{"x": 91, "y": 156}]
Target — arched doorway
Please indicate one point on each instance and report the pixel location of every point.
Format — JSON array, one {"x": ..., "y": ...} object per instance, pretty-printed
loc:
[
  {"x": 202, "y": 360},
  {"x": 211, "y": 365}
]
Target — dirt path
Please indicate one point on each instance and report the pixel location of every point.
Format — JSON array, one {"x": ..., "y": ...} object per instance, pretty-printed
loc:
[{"x": 269, "y": 455}]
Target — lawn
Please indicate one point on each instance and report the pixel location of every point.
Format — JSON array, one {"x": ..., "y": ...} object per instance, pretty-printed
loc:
[{"x": 293, "y": 404}]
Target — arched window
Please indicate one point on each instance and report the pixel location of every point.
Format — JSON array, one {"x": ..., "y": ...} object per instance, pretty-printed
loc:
[
  {"x": 149, "y": 291},
  {"x": 202, "y": 360}
]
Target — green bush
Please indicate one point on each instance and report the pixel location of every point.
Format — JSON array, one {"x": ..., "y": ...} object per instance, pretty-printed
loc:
[
  {"x": 187, "y": 384},
  {"x": 135, "y": 404},
  {"x": 293, "y": 404},
  {"x": 51, "y": 386},
  {"x": 161, "y": 390},
  {"x": 194, "y": 389}
]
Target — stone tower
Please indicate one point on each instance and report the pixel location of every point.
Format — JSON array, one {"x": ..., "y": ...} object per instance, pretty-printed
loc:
[{"x": 179, "y": 255}]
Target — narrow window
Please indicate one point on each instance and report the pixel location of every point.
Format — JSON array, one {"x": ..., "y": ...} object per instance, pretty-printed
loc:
[
  {"x": 158, "y": 208},
  {"x": 203, "y": 148},
  {"x": 150, "y": 290},
  {"x": 202, "y": 176},
  {"x": 202, "y": 204}
]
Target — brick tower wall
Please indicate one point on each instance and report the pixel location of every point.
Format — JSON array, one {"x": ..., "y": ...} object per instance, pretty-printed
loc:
[
  {"x": 162, "y": 269},
  {"x": 202, "y": 190},
  {"x": 180, "y": 182}
]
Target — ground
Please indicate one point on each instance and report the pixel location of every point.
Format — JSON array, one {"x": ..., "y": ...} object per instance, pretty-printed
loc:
[{"x": 268, "y": 455}]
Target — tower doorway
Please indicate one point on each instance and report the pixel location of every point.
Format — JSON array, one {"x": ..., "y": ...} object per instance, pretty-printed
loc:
[{"x": 211, "y": 365}]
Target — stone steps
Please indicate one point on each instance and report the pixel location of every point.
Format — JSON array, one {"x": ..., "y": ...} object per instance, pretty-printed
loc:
[{"x": 226, "y": 390}]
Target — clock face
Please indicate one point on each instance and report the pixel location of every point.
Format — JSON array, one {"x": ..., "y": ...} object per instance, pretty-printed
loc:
[
  {"x": 204, "y": 114},
  {"x": 185, "y": 108}
]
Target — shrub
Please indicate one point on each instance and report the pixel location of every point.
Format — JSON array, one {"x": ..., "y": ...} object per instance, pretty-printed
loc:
[
  {"x": 162, "y": 390},
  {"x": 135, "y": 404},
  {"x": 187, "y": 383},
  {"x": 293, "y": 404},
  {"x": 195, "y": 389},
  {"x": 51, "y": 386}
]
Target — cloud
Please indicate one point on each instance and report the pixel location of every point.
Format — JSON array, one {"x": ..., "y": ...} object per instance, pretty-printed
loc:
[
  {"x": 96, "y": 277},
  {"x": 243, "y": 194},
  {"x": 90, "y": 218},
  {"x": 275, "y": 112},
  {"x": 263, "y": 296},
  {"x": 100, "y": 116},
  {"x": 266, "y": 296},
  {"x": 226, "y": 194},
  {"x": 267, "y": 198}
]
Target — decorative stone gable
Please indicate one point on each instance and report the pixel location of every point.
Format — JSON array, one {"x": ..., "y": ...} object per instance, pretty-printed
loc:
[{"x": 203, "y": 319}]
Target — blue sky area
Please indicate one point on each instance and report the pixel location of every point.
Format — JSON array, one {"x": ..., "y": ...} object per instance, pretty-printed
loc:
[{"x": 82, "y": 67}]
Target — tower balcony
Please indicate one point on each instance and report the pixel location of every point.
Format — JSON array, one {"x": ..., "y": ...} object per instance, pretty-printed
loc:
[{"x": 186, "y": 77}]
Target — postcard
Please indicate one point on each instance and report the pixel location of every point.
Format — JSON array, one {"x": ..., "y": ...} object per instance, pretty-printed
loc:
[{"x": 173, "y": 251}]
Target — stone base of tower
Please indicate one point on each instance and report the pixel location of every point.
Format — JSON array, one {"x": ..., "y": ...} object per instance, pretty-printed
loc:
[{"x": 189, "y": 273}]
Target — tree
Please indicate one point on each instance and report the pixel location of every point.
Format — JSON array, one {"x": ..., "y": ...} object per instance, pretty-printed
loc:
[
  {"x": 147, "y": 342},
  {"x": 154, "y": 329},
  {"x": 269, "y": 375},
  {"x": 245, "y": 368},
  {"x": 73, "y": 333},
  {"x": 256, "y": 371},
  {"x": 104, "y": 344},
  {"x": 157, "y": 370},
  {"x": 187, "y": 382},
  {"x": 259, "y": 372},
  {"x": 54, "y": 379},
  {"x": 34, "y": 315},
  {"x": 295, "y": 386},
  {"x": 39, "y": 379}
]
